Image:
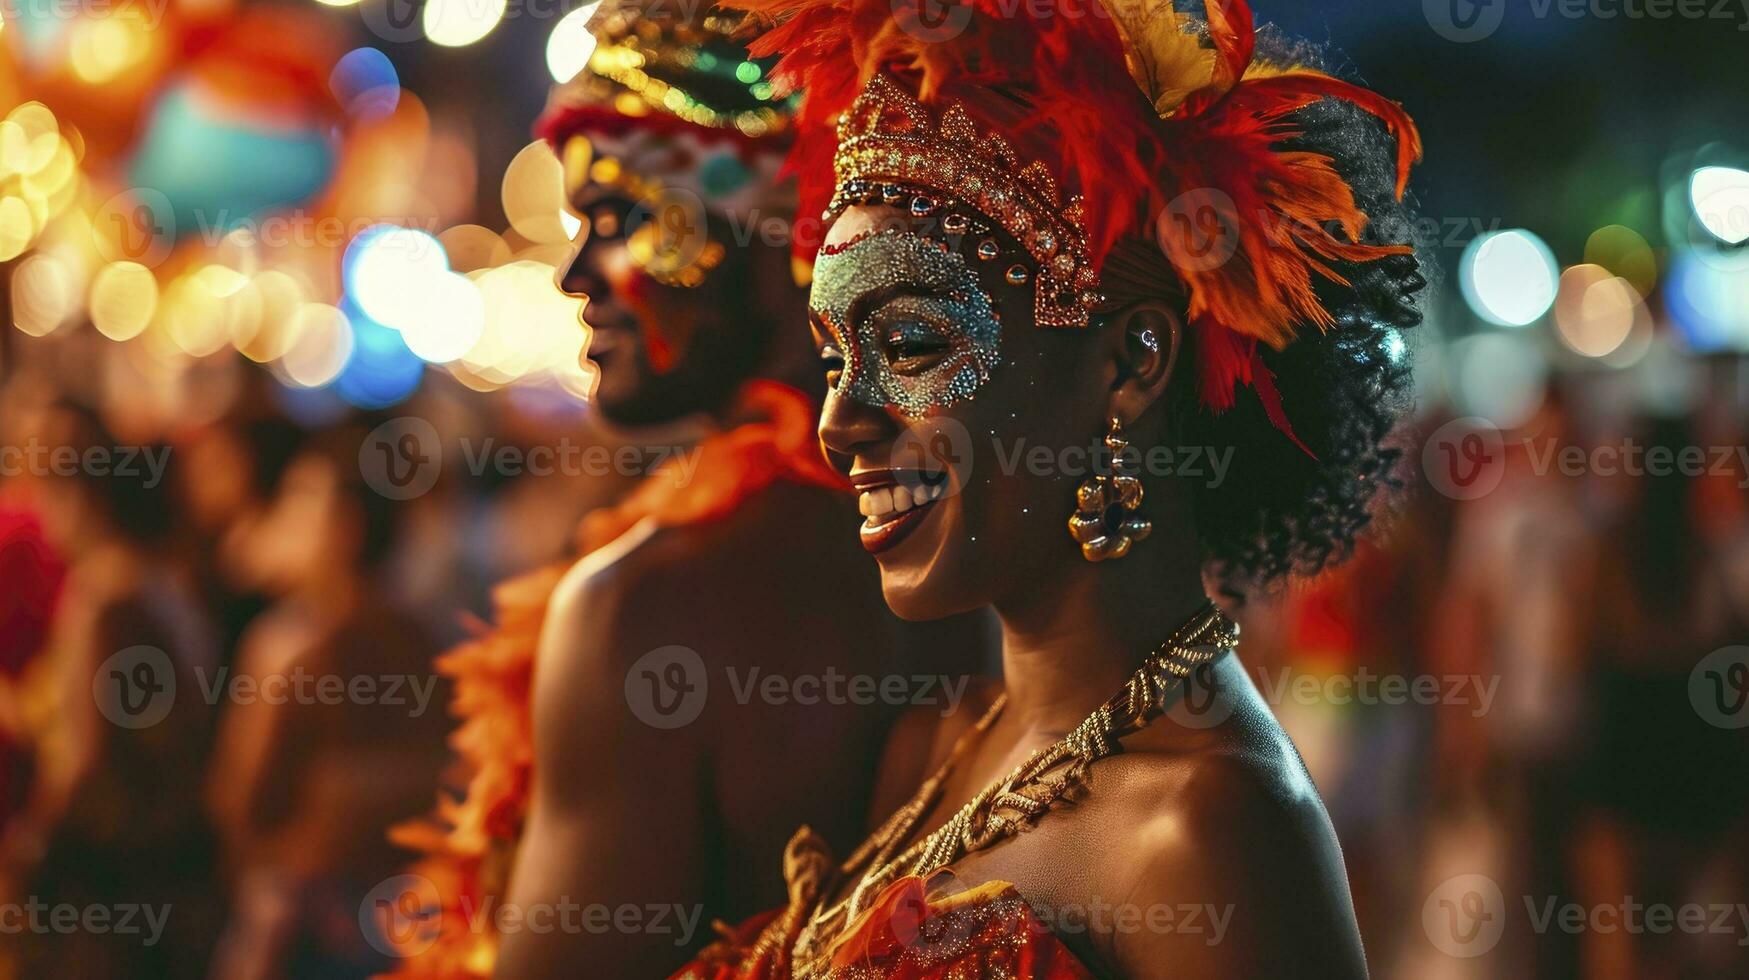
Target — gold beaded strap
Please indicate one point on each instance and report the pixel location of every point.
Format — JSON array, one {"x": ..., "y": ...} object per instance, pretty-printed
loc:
[{"x": 1010, "y": 804}]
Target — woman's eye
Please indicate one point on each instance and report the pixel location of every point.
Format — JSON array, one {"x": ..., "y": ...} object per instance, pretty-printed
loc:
[
  {"x": 832, "y": 359},
  {"x": 912, "y": 345}
]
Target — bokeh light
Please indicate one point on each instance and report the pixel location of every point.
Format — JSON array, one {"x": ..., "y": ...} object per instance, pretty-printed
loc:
[
  {"x": 43, "y": 295},
  {"x": 1720, "y": 197},
  {"x": 458, "y": 23},
  {"x": 1595, "y": 311},
  {"x": 320, "y": 345},
  {"x": 571, "y": 44},
  {"x": 1708, "y": 300},
  {"x": 366, "y": 83},
  {"x": 534, "y": 195},
  {"x": 124, "y": 295},
  {"x": 386, "y": 266},
  {"x": 1509, "y": 278},
  {"x": 1625, "y": 253}
]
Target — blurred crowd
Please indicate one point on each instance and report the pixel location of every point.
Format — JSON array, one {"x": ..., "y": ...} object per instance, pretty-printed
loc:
[{"x": 1534, "y": 681}]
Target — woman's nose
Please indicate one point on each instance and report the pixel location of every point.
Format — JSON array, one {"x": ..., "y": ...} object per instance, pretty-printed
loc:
[
  {"x": 584, "y": 276},
  {"x": 848, "y": 427}
]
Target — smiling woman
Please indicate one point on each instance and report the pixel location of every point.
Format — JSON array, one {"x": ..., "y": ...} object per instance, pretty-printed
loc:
[{"x": 1029, "y": 247}]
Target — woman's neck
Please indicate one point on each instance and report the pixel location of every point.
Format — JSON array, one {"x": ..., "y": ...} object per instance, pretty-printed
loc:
[{"x": 1071, "y": 643}]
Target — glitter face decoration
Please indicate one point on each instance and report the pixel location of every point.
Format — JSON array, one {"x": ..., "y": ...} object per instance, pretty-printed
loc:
[{"x": 934, "y": 336}]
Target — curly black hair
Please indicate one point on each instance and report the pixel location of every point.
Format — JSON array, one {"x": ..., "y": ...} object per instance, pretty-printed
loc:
[{"x": 1280, "y": 511}]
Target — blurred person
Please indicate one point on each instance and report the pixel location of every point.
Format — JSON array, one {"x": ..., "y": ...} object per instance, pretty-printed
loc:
[
  {"x": 112, "y": 821},
  {"x": 230, "y": 470},
  {"x": 31, "y": 574},
  {"x": 588, "y": 786},
  {"x": 335, "y": 727},
  {"x": 1002, "y": 259},
  {"x": 1665, "y": 804}
]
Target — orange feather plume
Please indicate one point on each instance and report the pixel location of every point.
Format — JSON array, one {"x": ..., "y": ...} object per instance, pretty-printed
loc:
[{"x": 1142, "y": 114}]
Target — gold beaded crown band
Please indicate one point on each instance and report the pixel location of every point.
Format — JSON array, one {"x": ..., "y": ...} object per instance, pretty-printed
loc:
[
  {"x": 658, "y": 65},
  {"x": 891, "y": 147}
]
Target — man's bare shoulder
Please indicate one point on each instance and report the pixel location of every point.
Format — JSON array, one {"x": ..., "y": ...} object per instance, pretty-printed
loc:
[{"x": 784, "y": 564}]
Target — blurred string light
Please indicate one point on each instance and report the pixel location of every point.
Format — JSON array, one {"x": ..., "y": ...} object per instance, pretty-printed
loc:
[
  {"x": 1720, "y": 198},
  {"x": 365, "y": 82},
  {"x": 39, "y": 174},
  {"x": 100, "y": 49},
  {"x": 570, "y": 44},
  {"x": 124, "y": 296},
  {"x": 44, "y": 294},
  {"x": 321, "y": 343},
  {"x": 1509, "y": 278},
  {"x": 1595, "y": 312},
  {"x": 1708, "y": 300},
  {"x": 380, "y": 370},
  {"x": 458, "y": 23},
  {"x": 533, "y": 194},
  {"x": 1625, "y": 253}
]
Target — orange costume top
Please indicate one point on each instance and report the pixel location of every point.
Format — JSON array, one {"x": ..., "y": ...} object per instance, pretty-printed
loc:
[
  {"x": 470, "y": 843},
  {"x": 907, "y": 934}
]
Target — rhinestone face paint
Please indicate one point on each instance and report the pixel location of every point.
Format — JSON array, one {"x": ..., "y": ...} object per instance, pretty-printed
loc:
[{"x": 937, "y": 313}]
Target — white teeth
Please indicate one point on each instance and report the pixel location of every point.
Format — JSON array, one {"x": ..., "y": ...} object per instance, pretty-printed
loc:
[{"x": 883, "y": 502}]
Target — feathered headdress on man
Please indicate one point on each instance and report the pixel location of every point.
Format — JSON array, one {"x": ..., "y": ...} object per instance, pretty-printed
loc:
[{"x": 1172, "y": 135}]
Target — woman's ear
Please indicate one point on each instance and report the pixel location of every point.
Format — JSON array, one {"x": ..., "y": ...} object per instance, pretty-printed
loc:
[{"x": 1144, "y": 339}]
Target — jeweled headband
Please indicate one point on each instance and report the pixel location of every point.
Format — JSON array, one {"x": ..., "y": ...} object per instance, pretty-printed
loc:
[
  {"x": 892, "y": 150},
  {"x": 1159, "y": 119}
]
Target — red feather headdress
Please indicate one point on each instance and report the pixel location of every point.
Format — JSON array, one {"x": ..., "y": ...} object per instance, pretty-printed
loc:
[{"x": 1169, "y": 135}]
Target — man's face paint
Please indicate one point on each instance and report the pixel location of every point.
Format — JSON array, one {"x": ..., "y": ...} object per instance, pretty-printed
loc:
[{"x": 916, "y": 330}]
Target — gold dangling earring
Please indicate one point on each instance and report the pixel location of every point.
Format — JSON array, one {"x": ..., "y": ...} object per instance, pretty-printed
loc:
[{"x": 1106, "y": 522}]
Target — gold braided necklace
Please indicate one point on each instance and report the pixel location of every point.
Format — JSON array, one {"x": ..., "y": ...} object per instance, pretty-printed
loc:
[{"x": 1006, "y": 806}]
